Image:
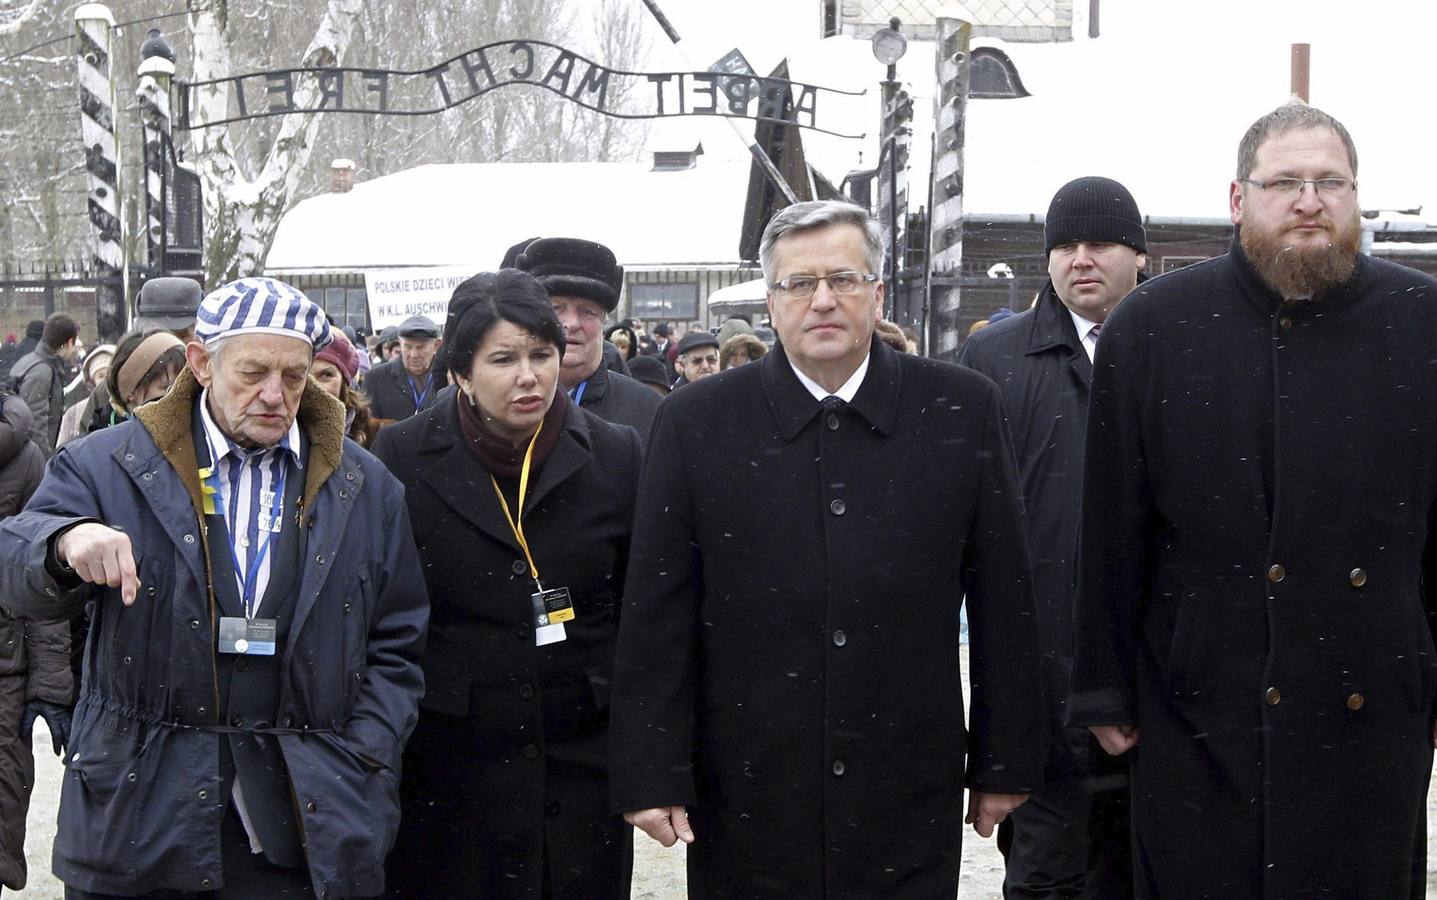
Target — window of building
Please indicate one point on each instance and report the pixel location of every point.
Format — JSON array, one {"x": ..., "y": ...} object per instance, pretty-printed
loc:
[
  {"x": 665, "y": 302},
  {"x": 1177, "y": 262}
]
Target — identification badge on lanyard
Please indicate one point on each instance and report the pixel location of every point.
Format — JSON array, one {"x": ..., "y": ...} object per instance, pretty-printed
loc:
[
  {"x": 247, "y": 637},
  {"x": 552, "y": 608}
]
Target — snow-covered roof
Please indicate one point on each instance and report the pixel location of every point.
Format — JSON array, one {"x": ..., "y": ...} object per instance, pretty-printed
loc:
[{"x": 470, "y": 214}]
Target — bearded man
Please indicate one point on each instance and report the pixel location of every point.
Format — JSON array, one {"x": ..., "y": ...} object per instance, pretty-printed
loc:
[{"x": 1259, "y": 486}]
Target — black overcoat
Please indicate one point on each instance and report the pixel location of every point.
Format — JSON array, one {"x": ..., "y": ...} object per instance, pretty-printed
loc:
[
  {"x": 1042, "y": 371},
  {"x": 1258, "y": 504},
  {"x": 510, "y": 750},
  {"x": 789, "y": 660},
  {"x": 389, "y": 392},
  {"x": 616, "y": 397}
]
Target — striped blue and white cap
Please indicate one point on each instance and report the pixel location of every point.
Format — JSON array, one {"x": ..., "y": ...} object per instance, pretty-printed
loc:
[{"x": 261, "y": 306}]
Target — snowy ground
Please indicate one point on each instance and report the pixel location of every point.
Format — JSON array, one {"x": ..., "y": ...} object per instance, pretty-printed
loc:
[{"x": 658, "y": 873}]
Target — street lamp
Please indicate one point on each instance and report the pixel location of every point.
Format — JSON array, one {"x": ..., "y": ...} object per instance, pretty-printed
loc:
[{"x": 889, "y": 45}]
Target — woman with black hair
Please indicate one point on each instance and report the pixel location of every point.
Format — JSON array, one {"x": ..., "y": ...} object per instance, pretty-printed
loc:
[
  {"x": 146, "y": 363},
  {"x": 522, "y": 505}
]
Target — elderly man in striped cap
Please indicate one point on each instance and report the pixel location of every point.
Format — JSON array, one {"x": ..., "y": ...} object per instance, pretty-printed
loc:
[{"x": 258, "y": 611}]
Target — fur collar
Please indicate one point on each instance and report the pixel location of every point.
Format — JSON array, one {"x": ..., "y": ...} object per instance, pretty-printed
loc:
[{"x": 168, "y": 422}]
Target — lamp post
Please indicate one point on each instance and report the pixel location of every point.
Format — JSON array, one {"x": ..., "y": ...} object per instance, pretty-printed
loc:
[{"x": 889, "y": 45}]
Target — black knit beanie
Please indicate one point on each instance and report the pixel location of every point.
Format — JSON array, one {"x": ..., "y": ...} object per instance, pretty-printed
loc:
[{"x": 1094, "y": 209}]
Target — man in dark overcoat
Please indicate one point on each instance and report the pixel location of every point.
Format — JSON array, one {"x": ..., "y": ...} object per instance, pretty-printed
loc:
[
  {"x": 584, "y": 281},
  {"x": 1071, "y": 838},
  {"x": 412, "y": 379},
  {"x": 788, "y": 664},
  {"x": 1254, "y": 609},
  {"x": 257, "y": 613}
]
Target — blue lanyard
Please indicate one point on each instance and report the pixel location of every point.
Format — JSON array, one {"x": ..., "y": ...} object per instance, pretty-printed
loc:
[
  {"x": 578, "y": 393},
  {"x": 250, "y": 575},
  {"x": 420, "y": 396}
]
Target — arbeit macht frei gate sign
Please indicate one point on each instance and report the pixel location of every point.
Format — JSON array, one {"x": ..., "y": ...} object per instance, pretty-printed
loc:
[{"x": 648, "y": 95}]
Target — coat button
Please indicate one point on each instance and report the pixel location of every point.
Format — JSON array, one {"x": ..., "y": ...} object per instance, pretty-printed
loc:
[
  {"x": 319, "y": 559},
  {"x": 1285, "y": 322},
  {"x": 203, "y": 795},
  {"x": 1357, "y": 578},
  {"x": 531, "y": 751},
  {"x": 200, "y": 711},
  {"x": 839, "y": 638},
  {"x": 1355, "y": 701},
  {"x": 189, "y": 539},
  {"x": 241, "y": 665},
  {"x": 289, "y": 721},
  {"x": 237, "y": 721},
  {"x": 519, "y": 567},
  {"x": 526, "y": 692},
  {"x": 1273, "y": 696},
  {"x": 831, "y": 422},
  {"x": 838, "y": 507},
  {"x": 349, "y": 476},
  {"x": 552, "y": 808},
  {"x": 204, "y": 882},
  {"x": 311, "y": 807},
  {"x": 194, "y": 624},
  {"x": 132, "y": 778},
  {"x": 522, "y": 631},
  {"x": 838, "y": 767},
  {"x": 127, "y": 660},
  {"x": 1276, "y": 573}
]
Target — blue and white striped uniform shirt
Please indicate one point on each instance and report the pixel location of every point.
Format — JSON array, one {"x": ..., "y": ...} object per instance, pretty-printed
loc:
[{"x": 250, "y": 486}]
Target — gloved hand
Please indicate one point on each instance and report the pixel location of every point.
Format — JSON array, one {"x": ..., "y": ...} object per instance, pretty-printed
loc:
[{"x": 56, "y": 717}]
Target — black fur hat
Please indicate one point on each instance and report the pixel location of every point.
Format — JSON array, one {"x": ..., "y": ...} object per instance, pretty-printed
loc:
[{"x": 576, "y": 268}]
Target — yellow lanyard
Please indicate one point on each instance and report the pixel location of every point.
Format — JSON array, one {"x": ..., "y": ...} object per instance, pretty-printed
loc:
[{"x": 517, "y": 524}]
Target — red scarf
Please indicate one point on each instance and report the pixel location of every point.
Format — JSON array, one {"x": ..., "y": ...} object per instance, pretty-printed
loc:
[{"x": 501, "y": 458}]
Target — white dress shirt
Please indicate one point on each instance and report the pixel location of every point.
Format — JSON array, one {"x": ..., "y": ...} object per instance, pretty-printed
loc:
[
  {"x": 844, "y": 393},
  {"x": 1085, "y": 333}
]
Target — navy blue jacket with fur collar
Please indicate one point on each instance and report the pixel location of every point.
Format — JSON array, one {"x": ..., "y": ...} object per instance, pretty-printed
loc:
[{"x": 140, "y": 808}]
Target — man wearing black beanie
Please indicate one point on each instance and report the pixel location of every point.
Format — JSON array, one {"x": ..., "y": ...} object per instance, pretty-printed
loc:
[{"x": 1071, "y": 838}]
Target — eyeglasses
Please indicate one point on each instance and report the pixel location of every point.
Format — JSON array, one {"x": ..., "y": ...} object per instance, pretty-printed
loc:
[
  {"x": 801, "y": 286},
  {"x": 1289, "y": 186}
]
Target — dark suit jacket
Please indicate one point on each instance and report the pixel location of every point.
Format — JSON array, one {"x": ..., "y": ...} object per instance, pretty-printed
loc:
[
  {"x": 511, "y": 748},
  {"x": 390, "y": 394},
  {"x": 788, "y": 663},
  {"x": 622, "y": 400}
]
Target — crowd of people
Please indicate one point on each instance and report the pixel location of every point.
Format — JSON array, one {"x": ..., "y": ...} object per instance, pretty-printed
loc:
[{"x": 454, "y": 610}]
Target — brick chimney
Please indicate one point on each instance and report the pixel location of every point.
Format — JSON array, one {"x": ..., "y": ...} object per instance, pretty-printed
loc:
[{"x": 341, "y": 176}]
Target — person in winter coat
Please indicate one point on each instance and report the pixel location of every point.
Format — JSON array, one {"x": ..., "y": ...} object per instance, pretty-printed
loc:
[
  {"x": 35, "y": 679},
  {"x": 523, "y": 504},
  {"x": 335, "y": 368},
  {"x": 1071, "y": 838},
  {"x": 787, "y": 693},
  {"x": 40, "y": 378},
  {"x": 90, "y": 382},
  {"x": 414, "y": 375},
  {"x": 584, "y": 280},
  {"x": 252, "y": 669},
  {"x": 1255, "y": 602},
  {"x": 146, "y": 363}
]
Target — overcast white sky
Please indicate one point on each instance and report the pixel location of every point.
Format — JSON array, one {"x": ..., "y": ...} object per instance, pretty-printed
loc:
[{"x": 1158, "y": 101}]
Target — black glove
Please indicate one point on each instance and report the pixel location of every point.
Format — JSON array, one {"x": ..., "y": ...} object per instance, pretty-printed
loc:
[{"x": 57, "y": 717}]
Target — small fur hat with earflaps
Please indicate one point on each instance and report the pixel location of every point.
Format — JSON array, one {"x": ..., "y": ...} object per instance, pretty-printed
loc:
[{"x": 575, "y": 268}]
